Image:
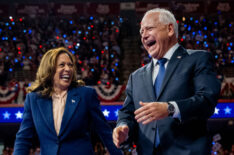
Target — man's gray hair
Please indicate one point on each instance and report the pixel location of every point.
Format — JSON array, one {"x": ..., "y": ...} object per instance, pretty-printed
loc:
[{"x": 165, "y": 17}]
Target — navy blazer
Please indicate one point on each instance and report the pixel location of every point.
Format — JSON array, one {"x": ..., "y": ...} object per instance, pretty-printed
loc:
[
  {"x": 190, "y": 80},
  {"x": 82, "y": 111}
]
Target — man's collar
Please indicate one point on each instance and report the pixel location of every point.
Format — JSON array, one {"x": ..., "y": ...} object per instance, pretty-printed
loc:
[{"x": 168, "y": 54}]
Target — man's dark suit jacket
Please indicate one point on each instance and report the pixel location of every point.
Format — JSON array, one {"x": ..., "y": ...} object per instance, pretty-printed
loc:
[
  {"x": 190, "y": 81},
  {"x": 82, "y": 111}
]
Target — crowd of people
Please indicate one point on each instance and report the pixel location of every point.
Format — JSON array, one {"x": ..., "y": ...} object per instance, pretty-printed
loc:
[{"x": 93, "y": 40}]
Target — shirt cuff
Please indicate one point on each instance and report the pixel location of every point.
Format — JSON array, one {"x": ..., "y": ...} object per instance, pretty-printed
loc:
[{"x": 177, "y": 110}]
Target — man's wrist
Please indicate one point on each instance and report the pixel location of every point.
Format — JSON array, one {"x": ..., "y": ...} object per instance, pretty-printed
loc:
[{"x": 170, "y": 109}]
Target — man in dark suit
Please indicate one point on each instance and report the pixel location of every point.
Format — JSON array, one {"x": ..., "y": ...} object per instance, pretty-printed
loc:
[{"x": 170, "y": 99}]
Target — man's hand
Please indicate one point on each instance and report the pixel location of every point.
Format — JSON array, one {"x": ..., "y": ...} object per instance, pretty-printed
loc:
[
  {"x": 120, "y": 134},
  {"x": 150, "y": 112}
]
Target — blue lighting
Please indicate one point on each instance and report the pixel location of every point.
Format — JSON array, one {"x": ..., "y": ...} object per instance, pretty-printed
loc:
[
  {"x": 112, "y": 69},
  {"x": 216, "y": 23},
  {"x": 184, "y": 37},
  {"x": 14, "y": 38},
  {"x": 97, "y": 57},
  {"x": 71, "y": 22},
  {"x": 106, "y": 47},
  {"x": 212, "y": 34},
  {"x": 196, "y": 21},
  {"x": 94, "y": 50},
  {"x": 120, "y": 20},
  {"x": 189, "y": 28},
  {"x": 89, "y": 27},
  {"x": 216, "y": 56},
  {"x": 229, "y": 48},
  {"x": 185, "y": 25},
  {"x": 10, "y": 28},
  {"x": 79, "y": 32},
  {"x": 92, "y": 70},
  {"x": 29, "y": 31},
  {"x": 91, "y": 18},
  {"x": 116, "y": 64},
  {"x": 13, "y": 23},
  {"x": 205, "y": 28},
  {"x": 231, "y": 44},
  {"x": 112, "y": 23},
  {"x": 73, "y": 31},
  {"x": 191, "y": 18},
  {"x": 10, "y": 69},
  {"x": 116, "y": 79},
  {"x": 64, "y": 36},
  {"x": 112, "y": 55},
  {"x": 30, "y": 57},
  {"x": 7, "y": 24},
  {"x": 16, "y": 60},
  {"x": 86, "y": 32},
  {"x": 194, "y": 33},
  {"x": 73, "y": 52},
  {"x": 205, "y": 36},
  {"x": 24, "y": 31},
  {"x": 230, "y": 25},
  {"x": 197, "y": 42}
]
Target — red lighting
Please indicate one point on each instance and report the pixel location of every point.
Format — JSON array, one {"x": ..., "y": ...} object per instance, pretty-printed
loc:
[
  {"x": 84, "y": 38},
  {"x": 102, "y": 52},
  {"x": 20, "y": 19},
  {"x": 93, "y": 37},
  {"x": 91, "y": 26},
  {"x": 142, "y": 65},
  {"x": 99, "y": 82},
  {"x": 117, "y": 30},
  {"x": 12, "y": 19},
  {"x": 19, "y": 52},
  {"x": 227, "y": 44},
  {"x": 82, "y": 69},
  {"x": 0, "y": 49},
  {"x": 177, "y": 22},
  {"x": 69, "y": 46},
  {"x": 80, "y": 62},
  {"x": 57, "y": 37},
  {"x": 40, "y": 46},
  {"x": 108, "y": 83},
  {"x": 181, "y": 39},
  {"x": 18, "y": 48}
]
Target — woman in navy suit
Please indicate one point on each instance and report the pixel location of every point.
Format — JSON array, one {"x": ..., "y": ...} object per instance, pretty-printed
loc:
[{"x": 60, "y": 111}]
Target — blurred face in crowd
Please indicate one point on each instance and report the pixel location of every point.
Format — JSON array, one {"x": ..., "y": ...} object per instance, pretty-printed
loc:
[
  {"x": 64, "y": 72},
  {"x": 156, "y": 37}
]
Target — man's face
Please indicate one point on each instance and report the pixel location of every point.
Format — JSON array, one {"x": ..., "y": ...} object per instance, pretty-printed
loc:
[{"x": 155, "y": 35}]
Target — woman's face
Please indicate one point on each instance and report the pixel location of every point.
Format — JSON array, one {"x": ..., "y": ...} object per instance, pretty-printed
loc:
[{"x": 64, "y": 72}]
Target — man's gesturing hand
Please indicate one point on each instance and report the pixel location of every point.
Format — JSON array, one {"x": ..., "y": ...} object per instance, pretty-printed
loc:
[
  {"x": 152, "y": 111},
  {"x": 120, "y": 134}
]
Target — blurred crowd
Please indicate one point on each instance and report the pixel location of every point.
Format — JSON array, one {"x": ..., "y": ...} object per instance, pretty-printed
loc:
[{"x": 93, "y": 40}]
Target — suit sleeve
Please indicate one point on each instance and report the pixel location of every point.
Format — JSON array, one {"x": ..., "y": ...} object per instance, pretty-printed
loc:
[
  {"x": 206, "y": 90},
  {"x": 26, "y": 132},
  {"x": 126, "y": 113},
  {"x": 100, "y": 124}
]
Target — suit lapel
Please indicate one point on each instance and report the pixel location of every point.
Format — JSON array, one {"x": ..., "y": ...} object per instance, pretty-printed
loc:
[
  {"x": 147, "y": 79},
  {"x": 45, "y": 107},
  {"x": 172, "y": 65},
  {"x": 70, "y": 107}
]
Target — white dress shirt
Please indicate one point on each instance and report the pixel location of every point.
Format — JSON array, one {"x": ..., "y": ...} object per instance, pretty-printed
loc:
[{"x": 155, "y": 71}]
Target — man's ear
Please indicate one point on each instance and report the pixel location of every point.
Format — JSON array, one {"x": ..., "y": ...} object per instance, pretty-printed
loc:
[{"x": 170, "y": 29}]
